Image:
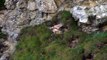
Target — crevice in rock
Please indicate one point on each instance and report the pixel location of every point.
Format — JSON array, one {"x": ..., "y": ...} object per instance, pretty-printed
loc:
[
  {"x": 3, "y": 48},
  {"x": 103, "y": 26},
  {"x": 91, "y": 18}
]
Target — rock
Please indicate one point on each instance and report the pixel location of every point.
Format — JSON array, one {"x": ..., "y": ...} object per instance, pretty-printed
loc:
[
  {"x": 56, "y": 28},
  {"x": 93, "y": 14},
  {"x": 1, "y": 19},
  {"x": 78, "y": 12},
  {"x": 31, "y": 5},
  {"x": 47, "y": 6},
  {"x": 88, "y": 29},
  {"x": 59, "y": 2},
  {"x": 10, "y": 4},
  {"x": 33, "y": 14},
  {"x": 21, "y": 4},
  {"x": 104, "y": 28},
  {"x": 9, "y": 48},
  {"x": 23, "y": 13},
  {"x": 64, "y": 4},
  {"x": 83, "y": 12}
]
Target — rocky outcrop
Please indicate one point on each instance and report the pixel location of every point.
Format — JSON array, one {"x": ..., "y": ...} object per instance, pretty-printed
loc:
[
  {"x": 47, "y": 6},
  {"x": 23, "y": 13},
  {"x": 93, "y": 15},
  {"x": 31, "y": 5}
]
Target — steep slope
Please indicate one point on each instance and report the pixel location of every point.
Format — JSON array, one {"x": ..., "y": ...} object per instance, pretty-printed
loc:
[
  {"x": 26, "y": 13},
  {"x": 41, "y": 43}
]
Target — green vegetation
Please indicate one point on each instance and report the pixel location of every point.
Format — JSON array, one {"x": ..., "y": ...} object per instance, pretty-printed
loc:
[
  {"x": 2, "y": 35},
  {"x": 39, "y": 43},
  {"x": 2, "y": 4}
]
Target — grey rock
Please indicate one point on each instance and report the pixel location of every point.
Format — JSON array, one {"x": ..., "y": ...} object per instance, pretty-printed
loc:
[
  {"x": 83, "y": 12},
  {"x": 23, "y": 13},
  {"x": 92, "y": 15},
  {"x": 31, "y": 5},
  {"x": 47, "y": 6}
]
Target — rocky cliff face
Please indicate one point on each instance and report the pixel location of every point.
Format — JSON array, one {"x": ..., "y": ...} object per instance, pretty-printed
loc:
[
  {"x": 93, "y": 14},
  {"x": 22, "y": 13}
]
